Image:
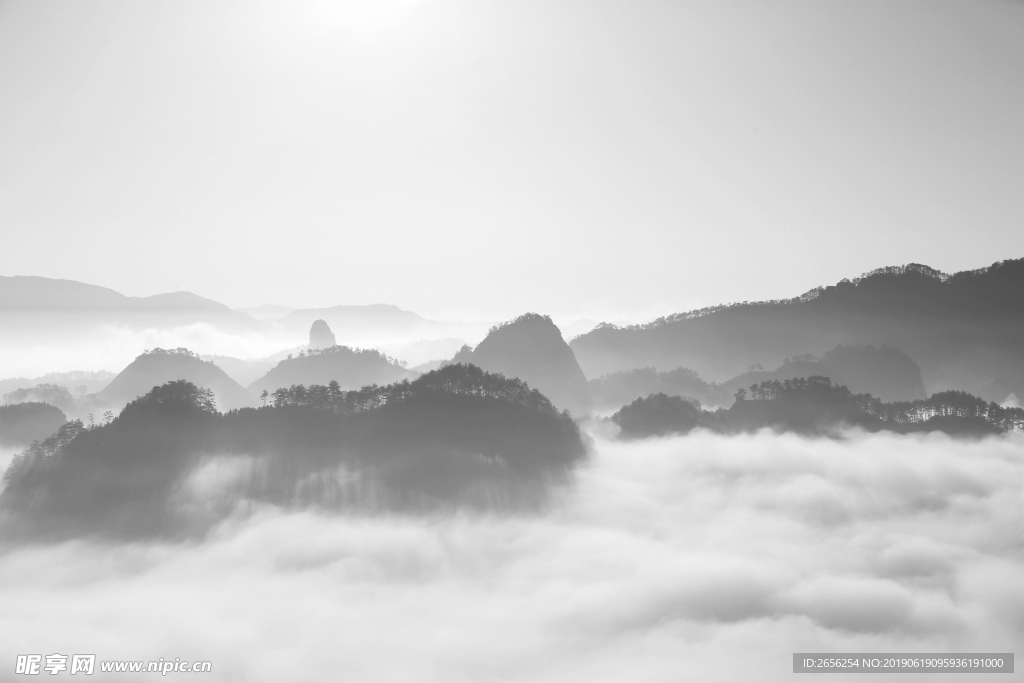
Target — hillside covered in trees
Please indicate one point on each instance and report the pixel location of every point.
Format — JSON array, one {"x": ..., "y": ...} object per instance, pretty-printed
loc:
[
  {"x": 962, "y": 329},
  {"x": 815, "y": 405},
  {"x": 171, "y": 464}
]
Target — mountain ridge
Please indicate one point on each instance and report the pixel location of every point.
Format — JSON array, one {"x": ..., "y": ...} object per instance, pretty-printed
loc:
[{"x": 959, "y": 328}]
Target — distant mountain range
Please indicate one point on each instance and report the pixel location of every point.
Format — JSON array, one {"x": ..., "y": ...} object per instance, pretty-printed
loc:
[
  {"x": 964, "y": 330},
  {"x": 44, "y": 310},
  {"x": 35, "y": 304}
]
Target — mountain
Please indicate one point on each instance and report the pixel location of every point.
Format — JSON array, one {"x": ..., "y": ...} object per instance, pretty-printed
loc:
[
  {"x": 170, "y": 464},
  {"x": 320, "y": 335},
  {"x": 383, "y": 319},
  {"x": 618, "y": 388},
  {"x": 52, "y": 394},
  {"x": 814, "y": 405},
  {"x": 244, "y": 371},
  {"x": 267, "y": 311},
  {"x": 351, "y": 368},
  {"x": 375, "y": 324},
  {"x": 23, "y": 423},
  {"x": 963, "y": 330},
  {"x": 156, "y": 367},
  {"x": 31, "y": 305},
  {"x": 531, "y": 348},
  {"x": 78, "y": 382},
  {"x": 577, "y": 327},
  {"x": 886, "y": 372}
]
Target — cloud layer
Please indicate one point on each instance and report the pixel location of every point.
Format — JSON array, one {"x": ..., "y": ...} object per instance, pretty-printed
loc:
[{"x": 692, "y": 558}]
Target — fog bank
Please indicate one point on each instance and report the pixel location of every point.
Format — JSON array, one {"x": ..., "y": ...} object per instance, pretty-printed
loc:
[{"x": 692, "y": 558}]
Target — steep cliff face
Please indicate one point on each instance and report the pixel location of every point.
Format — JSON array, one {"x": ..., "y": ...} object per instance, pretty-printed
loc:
[{"x": 532, "y": 349}]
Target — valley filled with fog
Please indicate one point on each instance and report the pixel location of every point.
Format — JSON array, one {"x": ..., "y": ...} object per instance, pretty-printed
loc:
[{"x": 698, "y": 557}]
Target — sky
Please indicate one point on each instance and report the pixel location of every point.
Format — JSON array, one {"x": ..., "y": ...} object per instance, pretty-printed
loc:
[{"x": 474, "y": 160}]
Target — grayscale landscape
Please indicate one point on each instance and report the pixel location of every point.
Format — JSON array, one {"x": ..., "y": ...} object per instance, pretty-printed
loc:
[{"x": 429, "y": 340}]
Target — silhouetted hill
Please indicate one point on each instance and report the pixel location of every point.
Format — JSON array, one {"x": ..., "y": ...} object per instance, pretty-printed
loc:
[
  {"x": 963, "y": 329},
  {"x": 23, "y": 423},
  {"x": 159, "y": 366},
  {"x": 351, "y": 368},
  {"x": 531, "y": 348},
  {"x": 815, "y": 405},
  {"x": 456, "y": 436}
]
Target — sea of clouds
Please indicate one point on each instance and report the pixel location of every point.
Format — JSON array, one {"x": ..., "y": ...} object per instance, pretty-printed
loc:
[{"x": 703, "y": 558}]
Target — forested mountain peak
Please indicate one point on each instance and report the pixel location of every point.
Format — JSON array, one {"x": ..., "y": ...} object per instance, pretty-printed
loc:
[
  {"x": 455, "y": 436},
  {"x": 176, "y": 395}
]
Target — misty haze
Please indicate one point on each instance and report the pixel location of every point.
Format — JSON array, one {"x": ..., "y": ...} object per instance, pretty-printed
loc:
[{"x": 431, "y": 340}]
